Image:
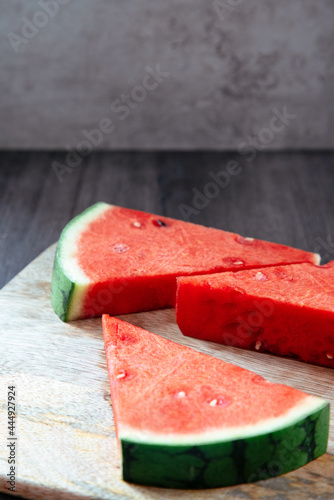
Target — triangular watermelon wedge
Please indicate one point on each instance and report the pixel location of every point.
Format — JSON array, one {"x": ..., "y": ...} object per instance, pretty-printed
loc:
[
  {"x": 116, "y": 260},
  {"x": 187, "y": 420}
]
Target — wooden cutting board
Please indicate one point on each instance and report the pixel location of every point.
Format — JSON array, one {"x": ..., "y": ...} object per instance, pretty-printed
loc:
[{"x": 66, "y": 444}]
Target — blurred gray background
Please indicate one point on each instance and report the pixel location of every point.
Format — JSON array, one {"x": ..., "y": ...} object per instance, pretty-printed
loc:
[{"x": 229, "y": 68}]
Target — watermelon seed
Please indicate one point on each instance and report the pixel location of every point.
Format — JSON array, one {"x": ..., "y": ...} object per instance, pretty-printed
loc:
[
  {"x": 121, "y": 375},
  {"x": 258, "y": 345},
  {"x": 233, "y": 261},
  {"x": 120, "y": 248},
  {"x": 245, "y": 240},
  {"x": 136, "y": 224},
  {"x": 181, "y": 394},
  {"x": 329, "y": 356},
  {"x": 159, "y": 223},
  {"x": 261, "y": 276},
  {"x": 213, "y": 402},
  {"x": 220, "y": 401}
]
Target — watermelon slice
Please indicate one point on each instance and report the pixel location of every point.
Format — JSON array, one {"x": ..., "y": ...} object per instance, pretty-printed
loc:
[
  {"x": 284, "y": 310},
  {"x": 188, "y": 420},
  {"x": 116, "y": 260}
]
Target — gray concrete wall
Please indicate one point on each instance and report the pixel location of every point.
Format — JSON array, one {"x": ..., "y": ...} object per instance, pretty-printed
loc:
[{"x": 234, "y": 67}]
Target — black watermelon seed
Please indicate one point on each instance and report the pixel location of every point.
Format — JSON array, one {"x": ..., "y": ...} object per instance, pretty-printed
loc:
[{"x": 159, "y": 223}]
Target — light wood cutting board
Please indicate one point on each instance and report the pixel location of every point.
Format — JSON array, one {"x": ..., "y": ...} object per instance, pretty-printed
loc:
[{"x": 66, "y": 436}]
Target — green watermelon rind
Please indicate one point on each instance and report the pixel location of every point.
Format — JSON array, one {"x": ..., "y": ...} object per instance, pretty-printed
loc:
[
  {"x": 227, "y": 463},
  {"x": 66, "y": 291},
  {"x": 61, "y": 289}
]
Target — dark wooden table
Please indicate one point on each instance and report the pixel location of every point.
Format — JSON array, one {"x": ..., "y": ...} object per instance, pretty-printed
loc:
[{"x": 286, "y": 198}]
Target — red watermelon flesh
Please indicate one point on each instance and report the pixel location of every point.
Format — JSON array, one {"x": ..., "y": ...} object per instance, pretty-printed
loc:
[
  {"x": 185, "y": 419},
  {"x": 116, "y": 260},
  {"x": 283, "y": 310}
]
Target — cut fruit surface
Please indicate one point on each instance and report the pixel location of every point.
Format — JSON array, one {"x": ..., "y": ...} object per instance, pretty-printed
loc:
[
  {"x": 283, "y": 310},
  {"x": 116, "y": 260},
  {"x": 187, "y": 420}
]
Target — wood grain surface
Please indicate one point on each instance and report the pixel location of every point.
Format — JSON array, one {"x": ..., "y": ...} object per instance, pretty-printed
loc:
[
  {"x": 61, "y": 374},
  {"x": 66, "y": 434}
]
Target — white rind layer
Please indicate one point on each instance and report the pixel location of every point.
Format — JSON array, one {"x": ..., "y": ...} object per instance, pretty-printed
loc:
[
  {"x": 307, "y": 407},
  {"x": 77, "y": 300},
  {"x": 68, "y": 261}
]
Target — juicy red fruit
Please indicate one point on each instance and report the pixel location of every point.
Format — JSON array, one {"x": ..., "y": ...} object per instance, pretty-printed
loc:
[{"x": 286, "y": 310}]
